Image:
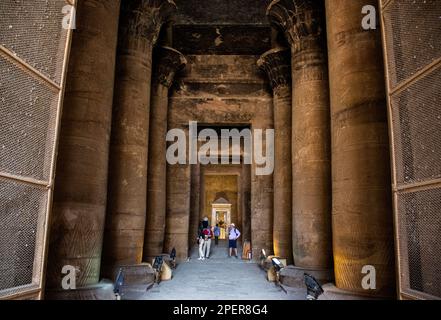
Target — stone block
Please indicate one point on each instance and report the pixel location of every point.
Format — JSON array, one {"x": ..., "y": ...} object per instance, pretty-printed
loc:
[{"x": 292, "y": 276}]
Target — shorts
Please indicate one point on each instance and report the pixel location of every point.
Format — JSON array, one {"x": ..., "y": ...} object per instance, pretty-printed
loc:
[{"x": 232, "y": 244}]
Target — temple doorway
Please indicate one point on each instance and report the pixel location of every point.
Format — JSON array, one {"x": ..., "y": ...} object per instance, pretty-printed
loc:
[{"x": 221, "y": 215}]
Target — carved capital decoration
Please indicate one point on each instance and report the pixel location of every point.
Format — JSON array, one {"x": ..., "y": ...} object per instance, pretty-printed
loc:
[
  {"x": 168, "y": 62},
  {"x": 277, "y": 64},
  {"x": 144, "y": 18},
  {"x": 299, "y": 19}
]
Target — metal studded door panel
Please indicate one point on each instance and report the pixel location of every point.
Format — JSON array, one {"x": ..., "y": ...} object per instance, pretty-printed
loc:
[
  {"x": 34, "y": 48},
  {"x": 412, "y": 46}
]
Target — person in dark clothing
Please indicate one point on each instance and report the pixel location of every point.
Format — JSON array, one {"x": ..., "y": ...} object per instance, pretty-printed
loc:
[
  {"x": 205, "y": 223},
  {"x": 200, "y": 229},
  {"x": 216, "y": 233}
]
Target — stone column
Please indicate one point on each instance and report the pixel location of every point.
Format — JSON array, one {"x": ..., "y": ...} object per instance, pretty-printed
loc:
[
  {"x": 81, "y": 181},
  {"x": 262, "y": 196},
  {"x": 246, "y": 202},
  {"x": 194, "y": 205},
  {"x": 202, "y": 199},
  {"x": 302, "y": 22},
  {"x": 362, "y": 212},
  {"x": 277, "y": 64},
  {"x": 167, "y": 62},
  {"x": 178, "y": 207},
  {"x": 139, "y": 28}
]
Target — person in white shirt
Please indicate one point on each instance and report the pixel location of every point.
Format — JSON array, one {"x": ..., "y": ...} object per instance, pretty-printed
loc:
[
  {"x": 201, "y": 242},
  {"x": 233, "y": 235}
]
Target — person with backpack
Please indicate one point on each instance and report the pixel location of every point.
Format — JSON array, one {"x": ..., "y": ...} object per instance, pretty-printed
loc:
[
  {"x": 233, "y": 235},
  {"x": 216, "y": 233}
]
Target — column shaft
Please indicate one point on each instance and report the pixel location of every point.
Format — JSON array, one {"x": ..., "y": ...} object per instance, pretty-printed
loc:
[
  {"x": 262, "y": 198},
  {"x": 277, "y": 64},
  {"x": 302, "y": 23},
  {"x": 282, "y": 228},
  {"x": 311, "y": 161},
  {"x": 157, "y": 171},
  {"x": 167, "y": 62},
  {"x": 178, "y": 209},
  {"x": 194, "y": 204},
  {"x": 125, "y": 225},
  {"x": 81, "y": 181},
  {"x": 246, "y": 202},
  {"x": 362, "y": 213}
]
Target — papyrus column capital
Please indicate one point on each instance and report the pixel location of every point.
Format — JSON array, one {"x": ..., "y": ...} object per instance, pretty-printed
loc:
[
  {"x": 299, "y": 19},
  {"x": 168, "y": 62},
  {"x": 277, "y": 64},
  {"x": 144, "y": 18}
]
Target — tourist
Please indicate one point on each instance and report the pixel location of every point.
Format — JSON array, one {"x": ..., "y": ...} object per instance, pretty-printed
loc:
[
  {"x": 207, "y": 242},
  {"x": 205, "y": 223},
  {"x": 216, "y": 233},
  {"x": 201, "y": 241},
  {"x": 233, "y": 235}
]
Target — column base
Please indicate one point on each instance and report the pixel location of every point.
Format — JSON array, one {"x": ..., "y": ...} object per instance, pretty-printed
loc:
[
  {"x": 331, "y": 292},
  {"x": 292, "y": 276},
  {"x": 100, "y": 291},
  {"x": 137, "y": 278}
]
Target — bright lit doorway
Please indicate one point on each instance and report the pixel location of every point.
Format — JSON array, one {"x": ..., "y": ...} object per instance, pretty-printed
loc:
[{"x": 221, "y": 215}]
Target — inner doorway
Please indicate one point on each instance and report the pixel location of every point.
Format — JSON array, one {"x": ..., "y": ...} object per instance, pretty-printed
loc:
[{"x": 221, "y": 215}]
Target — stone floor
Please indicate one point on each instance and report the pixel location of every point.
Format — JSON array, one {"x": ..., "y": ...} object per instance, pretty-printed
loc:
[{"x": 219, "y": 278}]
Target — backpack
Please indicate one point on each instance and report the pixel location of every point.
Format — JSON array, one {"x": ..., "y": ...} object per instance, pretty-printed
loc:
[{"x": 208, "y": 232}]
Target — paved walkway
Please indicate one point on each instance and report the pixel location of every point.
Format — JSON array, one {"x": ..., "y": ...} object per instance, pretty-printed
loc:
[{"x": 219, "y": 278}]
